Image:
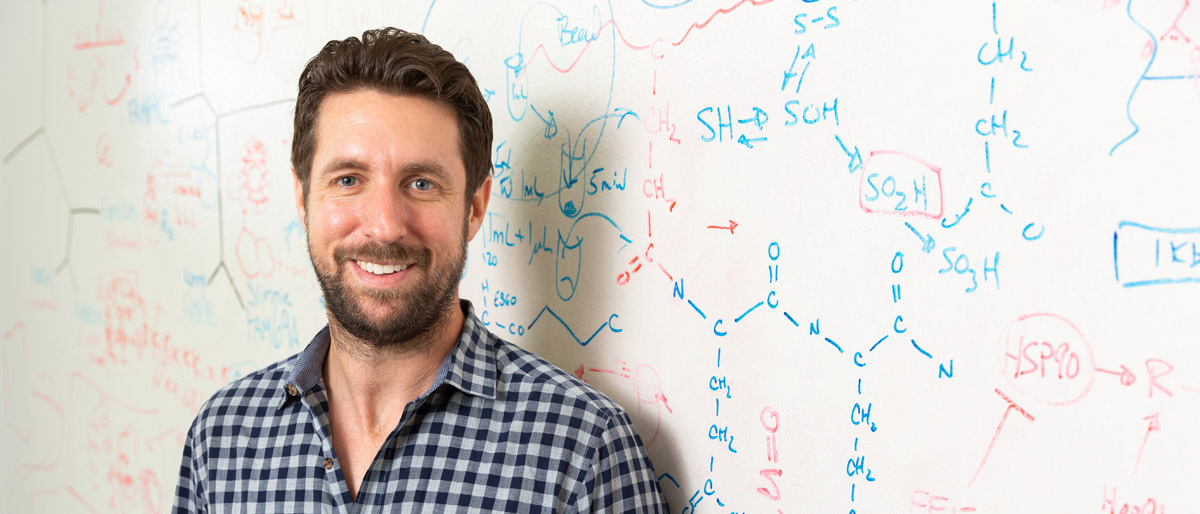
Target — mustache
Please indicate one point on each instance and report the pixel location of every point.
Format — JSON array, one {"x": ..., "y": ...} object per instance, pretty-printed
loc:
[{"x": 379, "y": 252}]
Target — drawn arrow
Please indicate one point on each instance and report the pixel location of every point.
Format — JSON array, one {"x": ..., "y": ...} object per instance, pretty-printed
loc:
[
  {"x": 927, "y": 242},
  {"x": 732, "y": 225},
  {"x": 623, "y": 113},
  {"x": 759, "y": 119},
  {"x": 1153, "y": 427},
  {"x": 551, "y": 125},
  {"x": 1127, "y": 376},
  {"x": 855, "y": 163},
  {"x": 1011, "y": 407},
  {"x": 742, "y": 139}
]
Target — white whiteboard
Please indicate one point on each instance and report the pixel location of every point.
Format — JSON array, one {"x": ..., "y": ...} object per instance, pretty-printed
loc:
[{"x": 832, "y": 256}]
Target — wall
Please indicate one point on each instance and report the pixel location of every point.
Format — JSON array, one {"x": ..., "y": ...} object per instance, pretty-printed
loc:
[{"x": 833, "y": 256}]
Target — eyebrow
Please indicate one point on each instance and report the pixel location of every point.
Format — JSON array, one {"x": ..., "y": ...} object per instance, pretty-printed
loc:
[
  {"x": 342, "y": 164},
  {"x": 428, "y": 168}
]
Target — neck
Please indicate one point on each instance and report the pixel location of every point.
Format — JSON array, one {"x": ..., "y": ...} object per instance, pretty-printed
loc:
[{"x": 372, "y": 384}]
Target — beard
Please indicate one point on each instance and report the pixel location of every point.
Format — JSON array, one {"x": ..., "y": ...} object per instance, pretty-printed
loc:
[{"x": 417, "y": 310}]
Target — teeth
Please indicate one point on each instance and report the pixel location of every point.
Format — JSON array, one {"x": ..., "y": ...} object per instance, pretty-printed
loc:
[{"x": 381, "y": 269}]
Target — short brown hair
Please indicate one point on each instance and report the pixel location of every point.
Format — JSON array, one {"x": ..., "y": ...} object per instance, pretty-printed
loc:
[{"x": 393, "y": 61}]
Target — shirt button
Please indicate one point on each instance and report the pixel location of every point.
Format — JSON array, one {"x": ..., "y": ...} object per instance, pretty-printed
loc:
[
  {"x": 328, "y": 463},
  {"x": 292, "y": 391}
]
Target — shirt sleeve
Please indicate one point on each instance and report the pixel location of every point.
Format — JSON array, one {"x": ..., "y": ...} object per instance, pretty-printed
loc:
[
  {"x": 189, "y": 493},
  {"x": 621, "y": 479}
]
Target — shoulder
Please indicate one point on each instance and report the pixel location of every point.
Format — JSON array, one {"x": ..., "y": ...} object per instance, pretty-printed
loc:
[
  {"x": 537, "y": 385},
  {"x": 245, "y": 401},
  {"x": 594, "y": 435}
]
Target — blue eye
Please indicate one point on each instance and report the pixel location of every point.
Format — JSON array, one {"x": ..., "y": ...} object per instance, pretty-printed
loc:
[
  {"x": 347, "y": 181},
  {"x": 422, "y": 184}
]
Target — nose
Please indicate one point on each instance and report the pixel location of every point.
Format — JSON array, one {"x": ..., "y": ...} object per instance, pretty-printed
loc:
[{"x": 384, "y": 213}]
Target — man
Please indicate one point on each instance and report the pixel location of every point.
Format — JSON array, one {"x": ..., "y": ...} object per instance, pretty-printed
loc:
[{"x": 404, "y": 403}]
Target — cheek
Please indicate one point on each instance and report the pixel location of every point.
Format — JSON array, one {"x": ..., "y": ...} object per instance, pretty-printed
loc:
[
  {"x": 438, "y": 228},
  {"x": 339, "y": 221},
  {"x": 332, "y": 221}
]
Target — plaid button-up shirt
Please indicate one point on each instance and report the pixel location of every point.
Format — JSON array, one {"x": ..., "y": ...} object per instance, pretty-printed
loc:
[{"x": 500, "y": 430}]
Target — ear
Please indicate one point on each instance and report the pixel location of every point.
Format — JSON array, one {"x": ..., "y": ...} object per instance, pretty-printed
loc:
[
  {"x": 479, "y": 203},
  {"x": 300, "y": 200}
]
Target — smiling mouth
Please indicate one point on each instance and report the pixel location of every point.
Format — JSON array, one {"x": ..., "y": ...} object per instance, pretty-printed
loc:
[{"x": 381, "y": 269}]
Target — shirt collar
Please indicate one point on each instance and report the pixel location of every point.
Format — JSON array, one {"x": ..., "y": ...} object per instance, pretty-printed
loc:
[
  {"x": 472, "y": 363},
  {"x": 470, "y": 366}
]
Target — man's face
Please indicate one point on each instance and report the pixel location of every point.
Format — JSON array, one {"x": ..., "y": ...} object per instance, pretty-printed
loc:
[{"x": 387, "y": 216}]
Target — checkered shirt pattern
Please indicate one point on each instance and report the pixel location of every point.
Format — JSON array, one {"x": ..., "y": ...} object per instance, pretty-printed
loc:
[{"x": 501, "y": 430}]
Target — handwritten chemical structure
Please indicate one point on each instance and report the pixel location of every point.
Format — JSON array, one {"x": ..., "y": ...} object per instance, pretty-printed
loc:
[{"x": 830, "y": 256}]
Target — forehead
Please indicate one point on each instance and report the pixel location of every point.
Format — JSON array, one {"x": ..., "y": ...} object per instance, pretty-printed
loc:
[{"x": 386, "y": 129}]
